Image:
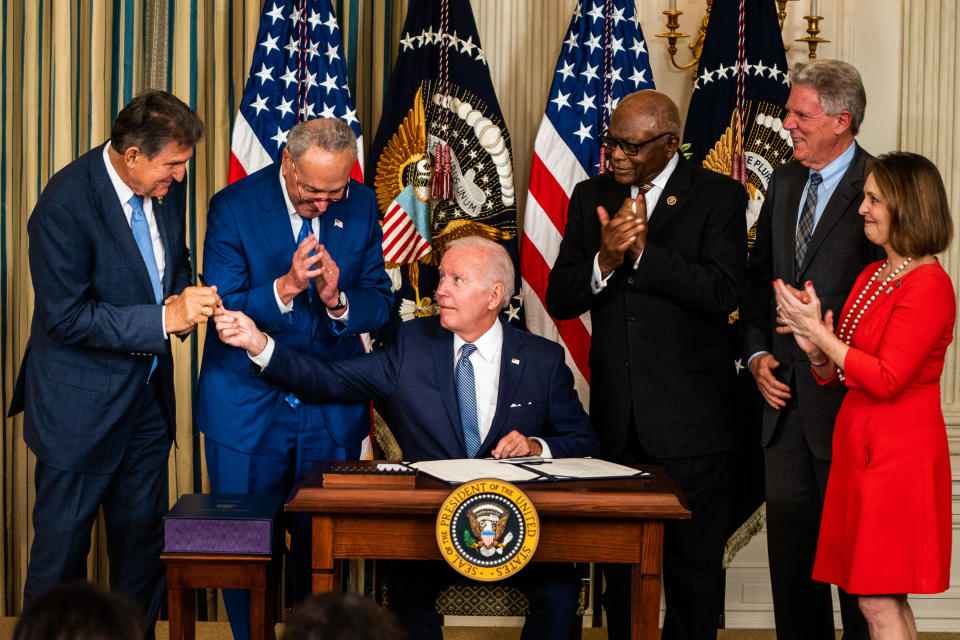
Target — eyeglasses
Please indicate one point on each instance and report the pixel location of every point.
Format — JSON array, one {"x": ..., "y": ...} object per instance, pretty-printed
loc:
[
  {"x": 309, "y": 194},
  {"x": 629, "y": 148}
]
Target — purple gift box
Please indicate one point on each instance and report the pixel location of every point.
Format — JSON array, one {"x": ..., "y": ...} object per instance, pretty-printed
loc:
[{"x": 223, "y": 523}]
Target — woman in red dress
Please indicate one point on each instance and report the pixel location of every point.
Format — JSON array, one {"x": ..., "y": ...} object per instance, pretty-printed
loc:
[{"x": 886, "y": 524}]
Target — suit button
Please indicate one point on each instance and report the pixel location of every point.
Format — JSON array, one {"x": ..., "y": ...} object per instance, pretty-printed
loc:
[
  {"x": 630, "y": 280},
  {"x": 626, "y": 362},
  {"x": 631, "y": 320}
]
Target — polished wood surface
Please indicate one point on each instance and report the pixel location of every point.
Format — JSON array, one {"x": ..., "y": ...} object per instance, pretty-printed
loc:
[{"x": 617, "y": 520}]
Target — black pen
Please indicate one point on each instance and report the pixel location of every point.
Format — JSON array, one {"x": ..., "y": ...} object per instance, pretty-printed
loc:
[{"x": 200, "y": 279}]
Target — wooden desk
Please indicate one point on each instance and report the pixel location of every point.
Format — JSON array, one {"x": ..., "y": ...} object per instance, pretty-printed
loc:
[{"x": 593, "y": 521}]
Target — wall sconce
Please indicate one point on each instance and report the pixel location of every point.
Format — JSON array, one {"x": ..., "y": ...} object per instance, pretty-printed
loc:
[{"x": 672, "y": 34}]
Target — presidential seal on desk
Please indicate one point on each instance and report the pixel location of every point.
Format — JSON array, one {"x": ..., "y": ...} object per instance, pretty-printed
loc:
[{"x": 487, "y": 529}]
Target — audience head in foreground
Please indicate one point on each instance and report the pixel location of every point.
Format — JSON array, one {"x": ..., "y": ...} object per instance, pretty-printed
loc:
[
  {"x": 336, "y": 616},
  {"x": 79, "y": 611}
]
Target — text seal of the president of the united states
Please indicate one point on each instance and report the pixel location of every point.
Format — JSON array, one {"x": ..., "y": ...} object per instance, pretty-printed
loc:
[{"x": 487, "y": 529}]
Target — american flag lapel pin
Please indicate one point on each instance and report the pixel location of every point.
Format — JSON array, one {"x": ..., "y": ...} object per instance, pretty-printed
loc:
[
  {"x": 338, "y": 223},
  {"x": 514, "y": 361}
]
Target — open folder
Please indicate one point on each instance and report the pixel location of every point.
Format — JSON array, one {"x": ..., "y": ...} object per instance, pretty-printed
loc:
[{"x": 527, "y": 469}]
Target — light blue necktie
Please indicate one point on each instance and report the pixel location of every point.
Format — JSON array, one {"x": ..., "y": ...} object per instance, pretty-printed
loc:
[
  {"x": 306, "y": 228},
  {"x": 467, "y": 399},
  {"x": 141, "y": 233},
  {"x": 805, "y": 225}
]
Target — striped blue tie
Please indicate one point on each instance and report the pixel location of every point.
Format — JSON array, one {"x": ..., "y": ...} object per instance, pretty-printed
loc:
[
  {"x": 306, "y": 228},
  {"x": 805, "y": 225},
  {"x": 141, "y": 233},
  {"x": 467, "y": 399}
]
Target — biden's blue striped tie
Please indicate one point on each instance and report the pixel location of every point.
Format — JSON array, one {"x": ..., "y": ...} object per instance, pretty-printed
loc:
[{"x": 467, "y": 399}]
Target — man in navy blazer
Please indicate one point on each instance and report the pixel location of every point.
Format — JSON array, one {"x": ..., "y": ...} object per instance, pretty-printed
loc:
[
  {"x": 296, "y": 246},
  {"x": 110, "y": 275},
  {"x": 524, "y": 398}
]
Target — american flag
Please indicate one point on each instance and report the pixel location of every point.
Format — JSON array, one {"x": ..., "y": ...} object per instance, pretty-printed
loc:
[
  {"x": 603, "y": 58},
  {"x": 298, "y": 73}
]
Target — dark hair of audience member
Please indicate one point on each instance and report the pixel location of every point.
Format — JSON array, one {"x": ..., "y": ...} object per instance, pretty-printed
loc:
[
  {"x": 335, "y": 616},
  {"x": 79, "y": 611}
]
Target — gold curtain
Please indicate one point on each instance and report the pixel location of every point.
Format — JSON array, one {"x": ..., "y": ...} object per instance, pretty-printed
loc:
[{"x": 66, "y": 71}]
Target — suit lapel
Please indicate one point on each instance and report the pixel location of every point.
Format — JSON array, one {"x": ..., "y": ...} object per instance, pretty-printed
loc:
[
  {"x": 512, "y": 364},
  {"x": 672, "y": 201},
  {"x": 274, "y": 219},
  {"x": 160, "y": 213},
  {"x": 332, "y": 227},
  {"x": 847, "y": 190},
  {"x": 111, "y": 211},
  {"x": 443, "y": 370},
  {"x": 788, "y": 234}
]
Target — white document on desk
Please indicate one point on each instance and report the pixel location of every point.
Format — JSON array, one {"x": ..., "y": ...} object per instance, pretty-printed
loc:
[
  {"x": 524, "y": 469},
  {"x": 467, "y": 470}
]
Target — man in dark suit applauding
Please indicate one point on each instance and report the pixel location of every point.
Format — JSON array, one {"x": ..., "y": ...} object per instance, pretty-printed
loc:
[
  {"x": 520, "y": 402},
  {"x": 808, "y": 229},
  {"x": 655, "y": 251},
  {"x": 110, "y": 274}
]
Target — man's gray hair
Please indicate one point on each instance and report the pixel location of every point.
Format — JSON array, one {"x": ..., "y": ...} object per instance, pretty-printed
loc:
[
  {"x": 330, "y": 134},
  {"x": 839, "y": 86},
  {"x": 499, "y": 266}
]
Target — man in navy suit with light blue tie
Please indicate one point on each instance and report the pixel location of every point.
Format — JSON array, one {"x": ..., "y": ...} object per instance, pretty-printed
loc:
[
  {"x": 110, "y": 271},
  {"x": 468, "y": 385},
  {"x": 298, "y": 247}
]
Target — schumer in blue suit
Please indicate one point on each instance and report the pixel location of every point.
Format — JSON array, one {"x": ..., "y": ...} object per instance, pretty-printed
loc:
[
  {"x": 97, "y": 414},
  {"x": 260, "y": 438}
]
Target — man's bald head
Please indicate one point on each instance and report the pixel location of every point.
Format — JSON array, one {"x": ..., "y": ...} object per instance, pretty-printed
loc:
[
  {"x": 648, "y": 123},
  {"x": 654, "y": 107}
]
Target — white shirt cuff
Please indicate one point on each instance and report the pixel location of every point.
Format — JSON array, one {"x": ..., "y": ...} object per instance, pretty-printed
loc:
[
  {"x": 163, "y": 321},
  {"x": 598, "y": 283},
  {"x": 751, "y": 358},
  {"x": 546, "y": 453},
  {"x": 262, "y": 359},
  {"x": 345, "y": 318},
  {"x": 636, "y": 263},
  {"x": 284, "y": 308}
]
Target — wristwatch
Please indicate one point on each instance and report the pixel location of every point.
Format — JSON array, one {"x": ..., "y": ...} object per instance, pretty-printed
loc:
[{"x": 341, "y": 302}]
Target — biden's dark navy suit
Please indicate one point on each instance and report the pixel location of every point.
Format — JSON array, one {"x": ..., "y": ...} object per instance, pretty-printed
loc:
[
  {"x": 259, "y": 438},
  {"x": 413, "y": 382},
  {"x": 100, "y": 431}
]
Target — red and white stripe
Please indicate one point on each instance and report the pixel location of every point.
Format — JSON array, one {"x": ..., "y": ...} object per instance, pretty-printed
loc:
[
  {"x": 555, "y": 172},
  {"x": 248, "y": 155},
  {"x": 402, "y": 243}
]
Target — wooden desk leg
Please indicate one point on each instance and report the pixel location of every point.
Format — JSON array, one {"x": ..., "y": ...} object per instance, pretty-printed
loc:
[
  {"x": 182, "y": 613},
  {"x": 645, "y": 607},
  {"x": 645, "y": 581},
  {"x": 323, "y": 565}
]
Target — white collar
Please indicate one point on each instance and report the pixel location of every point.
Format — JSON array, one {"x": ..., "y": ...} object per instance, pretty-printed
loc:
[
  {"x": 291, "y": 210},
  {"x": 124, "y": 192},
  {"x": 661, "y": 180},
  {"x": 488, "y": 345}
]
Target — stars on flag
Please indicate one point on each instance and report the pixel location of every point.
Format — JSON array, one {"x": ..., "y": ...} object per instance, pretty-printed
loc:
[
  {"x": 578, "y": 107},
  {"x": 428, "y": 37},
  {"x": 298, "y": 45},
  {"x": 757, "y": 69}
]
